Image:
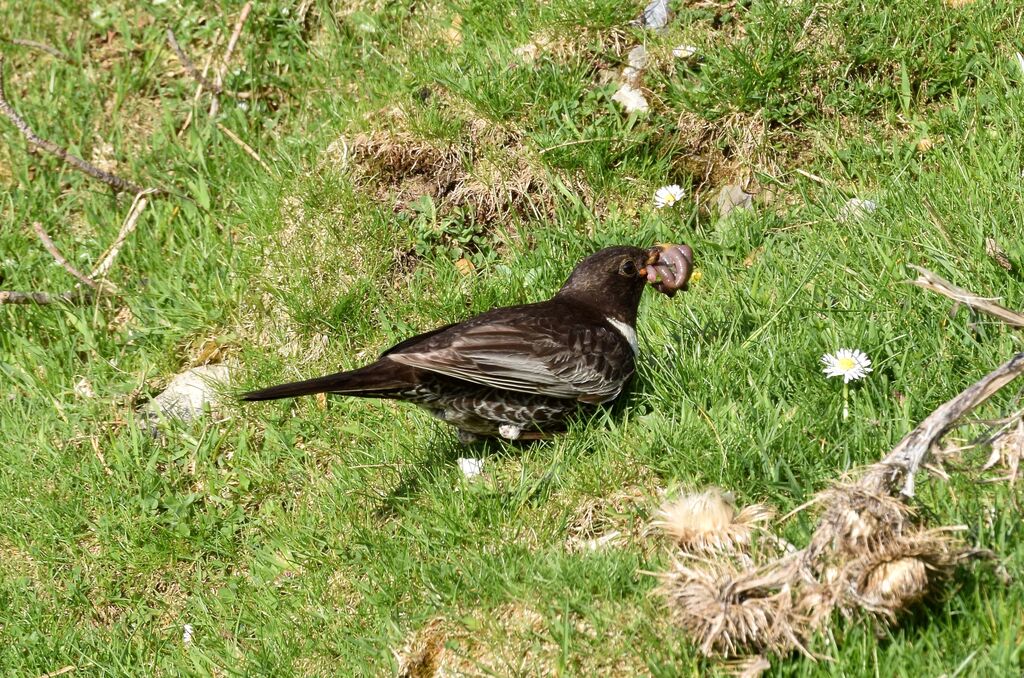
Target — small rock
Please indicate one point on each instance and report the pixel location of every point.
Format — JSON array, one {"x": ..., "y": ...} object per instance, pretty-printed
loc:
[
  {"x": 188, "y": 393},
  {"x": 637, "y": 58},
  {"x": 631, "y": 99},
  {"x": 855, "y": 209},
  {"x": 470, "y": 468},
  {"x": 733, "y": 197},
  {"x": 655, "y": 15}
]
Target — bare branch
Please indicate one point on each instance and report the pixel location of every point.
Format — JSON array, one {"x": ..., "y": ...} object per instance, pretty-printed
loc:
[
  {"x": 55, "y": 253},
  {"x": 42, "y": 47},
  {"x": 903, "y": 462},
  {"x": 107, "y": 260},
  {"x": 40, "y": 298},
  {"x": 930, "y": 281},
  {"x": 114, "y": 181},
  {"x": 219, "y": 79},
  {"x": 190, "y": 67}
]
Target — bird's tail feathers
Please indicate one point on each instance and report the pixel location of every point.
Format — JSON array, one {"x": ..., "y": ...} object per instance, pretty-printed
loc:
[{"x": 372, "y": 380}]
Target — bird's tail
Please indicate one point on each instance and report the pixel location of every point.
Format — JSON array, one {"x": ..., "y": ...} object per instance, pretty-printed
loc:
[{"x": 374, "y": 380}]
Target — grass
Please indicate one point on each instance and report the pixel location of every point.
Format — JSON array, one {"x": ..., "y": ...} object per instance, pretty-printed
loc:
[{"x": 300, "y": 539}]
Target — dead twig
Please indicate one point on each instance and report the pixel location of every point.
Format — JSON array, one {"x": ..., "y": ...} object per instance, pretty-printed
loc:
[
  {"x": 219, "y": 78},
  {"x": 42, "y": 47},
  {"x": 189, "y": 66},
  {"x": 934, "y": 283},
  {"x": 41, "y": 298},
  {"x": 199, "y": 87},
  {"x": 56, "y": 254},
  {"x": 115, "y": 182},
  {"x": 245, "y": 147},
  {"x": 130, "y": 222},
  {"x": 901, "y": 465}
]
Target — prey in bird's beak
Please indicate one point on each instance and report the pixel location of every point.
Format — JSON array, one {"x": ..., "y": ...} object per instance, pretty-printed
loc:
[{"x": 668, "y": 268}]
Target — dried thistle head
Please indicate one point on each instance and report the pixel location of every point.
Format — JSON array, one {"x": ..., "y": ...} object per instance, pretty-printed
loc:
[
  {"x": 902, "y": 581},
  {"x": 815, "y": 602},
  {"x": 724, "y": 611},
  {"x": 709, "y": 521},
  {"x": 856, "y": 519},
  {"x": 900, "y": 571}
]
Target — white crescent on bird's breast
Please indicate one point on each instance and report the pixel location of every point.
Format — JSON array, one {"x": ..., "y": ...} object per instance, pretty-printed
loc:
[{"x": 627, "y": 332}]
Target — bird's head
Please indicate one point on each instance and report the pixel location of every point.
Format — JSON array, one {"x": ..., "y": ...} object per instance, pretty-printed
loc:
[{"x": 614, "y": 278}]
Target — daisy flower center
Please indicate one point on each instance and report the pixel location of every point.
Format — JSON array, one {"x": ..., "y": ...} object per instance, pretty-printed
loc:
[{"x": 846, "y": 364}]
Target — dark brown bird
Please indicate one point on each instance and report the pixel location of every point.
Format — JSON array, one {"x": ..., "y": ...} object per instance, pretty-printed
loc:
[{"x": 519, "y": 372}]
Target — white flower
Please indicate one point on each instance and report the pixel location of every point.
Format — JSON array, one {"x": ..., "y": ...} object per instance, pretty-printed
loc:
[
  {"x": 668, "y": 196},
  {"x": 849, "y": 363},
  {"x": 470, "y": 468},
  {"x": 186, "y": 635}
]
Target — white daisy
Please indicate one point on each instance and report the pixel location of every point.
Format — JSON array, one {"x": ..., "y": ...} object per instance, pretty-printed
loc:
[
  {"x": 668, "y": 196},
  {"x": 849, "y": 363}
]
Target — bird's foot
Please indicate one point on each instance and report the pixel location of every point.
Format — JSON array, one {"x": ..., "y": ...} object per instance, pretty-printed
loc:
[{"x": 510, "y": 431}]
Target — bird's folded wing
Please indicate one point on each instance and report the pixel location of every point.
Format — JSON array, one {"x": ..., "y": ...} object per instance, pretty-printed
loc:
[{"x": 589, "y": 364}]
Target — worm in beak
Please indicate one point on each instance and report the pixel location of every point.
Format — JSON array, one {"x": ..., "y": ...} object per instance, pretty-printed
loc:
[{"x": 668, "y": 268}]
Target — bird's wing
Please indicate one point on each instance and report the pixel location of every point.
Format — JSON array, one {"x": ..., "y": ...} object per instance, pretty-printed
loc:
[{"x": 590, "y": 363}]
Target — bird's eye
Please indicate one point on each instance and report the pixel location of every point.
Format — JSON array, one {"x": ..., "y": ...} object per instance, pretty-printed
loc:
[{"x": 627, "y": 268}]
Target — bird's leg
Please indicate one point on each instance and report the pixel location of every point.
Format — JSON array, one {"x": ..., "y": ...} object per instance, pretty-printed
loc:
[
  {"x": 467, "y": 437},
  {"x": 535, "y": 435}
]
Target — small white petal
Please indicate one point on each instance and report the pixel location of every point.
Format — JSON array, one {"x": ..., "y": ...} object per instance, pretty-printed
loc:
[
  {"x": 855, "y": 209},
  {"x": 470, "y": 468},
  {"x": 631, "y": 99},
  {"x": 684, "y": 51},
  {"x": 186, "y": 634}
]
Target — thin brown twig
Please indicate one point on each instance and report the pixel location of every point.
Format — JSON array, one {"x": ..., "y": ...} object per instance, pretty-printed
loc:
[
  {"x": 189, "y": 66},
  {"x": 114, "y": 181},
  {"x": 41, "y": 298},
  {"x": 219, "y": 78},
  {"x": 56, "y": 254},
  {"x": 575, "y": 142},
  {"x": 245, "y": 147},
  {"x": 934, "y": 283},
  {"x": 130, "y": 222},
  {"x": 42, "y": 47},
  {"x": 199, "y": 87}
]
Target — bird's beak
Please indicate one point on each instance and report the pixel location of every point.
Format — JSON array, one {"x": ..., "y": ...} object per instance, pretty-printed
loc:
[{"x": 668, "y": 268}]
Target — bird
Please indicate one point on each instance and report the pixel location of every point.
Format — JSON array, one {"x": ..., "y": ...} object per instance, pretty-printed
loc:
[{"x": 520, "y": 372}]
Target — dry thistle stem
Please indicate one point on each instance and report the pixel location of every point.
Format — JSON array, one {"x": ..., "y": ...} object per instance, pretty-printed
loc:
[{"x": 708, "y": 521}]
